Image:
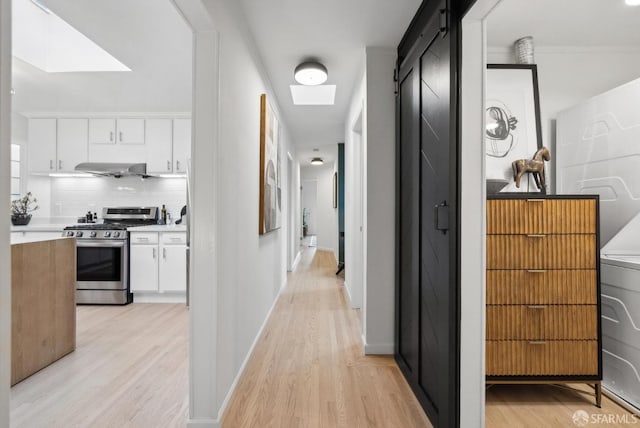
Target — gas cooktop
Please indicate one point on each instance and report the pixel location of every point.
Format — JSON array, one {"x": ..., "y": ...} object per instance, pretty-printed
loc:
[{"x": 116, "y": 222}]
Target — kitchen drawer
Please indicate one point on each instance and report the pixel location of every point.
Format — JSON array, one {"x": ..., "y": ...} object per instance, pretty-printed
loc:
[
  {"x": 176, "y": 238},
  {"x": 542, "y": 322},
  {"x": 144, "y": 238},
  {"x": 543, "y": 216},
  {"x": 541, "y": 251},
  {"x": 553, "y": 287},
  {"x": 542, "y": 358}
]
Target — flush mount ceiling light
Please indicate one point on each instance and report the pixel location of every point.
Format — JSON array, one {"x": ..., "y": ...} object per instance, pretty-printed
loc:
[
  {"x": 310, "y": 73},
  {"x": 632, "y": 2},
  {"x": 317, "y": 161}
]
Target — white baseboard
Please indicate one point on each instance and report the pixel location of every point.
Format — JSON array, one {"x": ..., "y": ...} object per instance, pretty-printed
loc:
[
  {"x": 349, "y": 299},
  {"x": 203, "y": 423},
  {"x": 377, "y": 348},
  {"x": 234, "y": 384},
  {"x": 178, "y": 297},
  {"x": 295, "y": 262}
]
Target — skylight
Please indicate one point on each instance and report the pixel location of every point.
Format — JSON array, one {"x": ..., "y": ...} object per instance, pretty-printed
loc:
[
  {"x": 47, "y": 42},
  {"x": 313, "y": 95}
]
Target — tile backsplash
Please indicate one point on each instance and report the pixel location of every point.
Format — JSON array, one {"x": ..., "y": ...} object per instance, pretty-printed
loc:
[{"x": 74, "y": 196}]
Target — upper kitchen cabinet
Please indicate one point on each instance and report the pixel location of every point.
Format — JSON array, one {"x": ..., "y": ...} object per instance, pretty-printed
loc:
[
  {"x": 42, "y": 145},
  {"x": 72, "y": 143},
  {"x": 112, "y": 131},
  {"x": 56, "y": 145},
  {"x": 118, "y": 140},
  {"x": 158, "y": 142},
  {"x": 181, "y": 144}
]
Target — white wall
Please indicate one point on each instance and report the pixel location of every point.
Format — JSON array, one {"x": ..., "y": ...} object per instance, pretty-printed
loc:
[
  {"x": 377, "y": 270},
  {"x": 569, "y": 75},
  {"x": 251, "y": 268},
  {"x": 326, "y": 217},
  {"x": 353, "y": 235},
  {"x": 379, "y": 200},
  {"x": 5, "y": 249},
  {"x": 310, "y": 203}
]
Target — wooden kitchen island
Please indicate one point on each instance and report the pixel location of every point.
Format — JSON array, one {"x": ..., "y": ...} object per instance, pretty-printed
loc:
[{"x": 43, "y": 304}]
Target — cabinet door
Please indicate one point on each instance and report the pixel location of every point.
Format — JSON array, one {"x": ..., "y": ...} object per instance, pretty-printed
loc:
[
  {"x": 158, "y": 145},
  {"x": 73, "y": 137},
  {"x": 102, "y": 131},
  {"x": 181, "y": 144},
  {"x": 144, "y": 268},
  {"x": 41, "y": 145},
  {"x": 173, "y": 268},
  {"x": 130, "y": 131}
]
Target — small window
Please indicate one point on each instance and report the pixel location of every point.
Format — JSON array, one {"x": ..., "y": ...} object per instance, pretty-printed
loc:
[{"x": 15, "y": 172}]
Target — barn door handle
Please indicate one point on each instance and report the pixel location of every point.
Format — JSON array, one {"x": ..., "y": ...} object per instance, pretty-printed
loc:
[
  {"x": 444, "y": 24},
  {"x": 441, "y": 217}
]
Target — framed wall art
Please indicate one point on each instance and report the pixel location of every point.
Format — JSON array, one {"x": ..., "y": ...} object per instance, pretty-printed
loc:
[
  {"x": 270, "y": 170},
  {"x": 513, "y": 128}
]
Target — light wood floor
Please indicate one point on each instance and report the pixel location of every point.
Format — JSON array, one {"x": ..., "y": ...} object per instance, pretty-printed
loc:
[
  {"x": 308, "y": 369},
  {"x": 535, "y": 406},
  {"x": 129, "y": 370}
]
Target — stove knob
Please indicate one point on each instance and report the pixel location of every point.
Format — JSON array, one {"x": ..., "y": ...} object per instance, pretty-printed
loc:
[
  {"x": 93, "y": 234},
  {"x": 70, "y": 233},
  {"x": 79, "y": 234},
  {"x": 116, "y": 234},
  {"x": 107, "y": 234}
]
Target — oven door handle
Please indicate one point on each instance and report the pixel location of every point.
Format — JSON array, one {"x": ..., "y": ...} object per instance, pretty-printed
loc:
[{"x": 110, "y": 244}]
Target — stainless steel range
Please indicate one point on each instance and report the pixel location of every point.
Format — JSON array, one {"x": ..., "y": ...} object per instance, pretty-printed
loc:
[{"x": 102, "y": 271}]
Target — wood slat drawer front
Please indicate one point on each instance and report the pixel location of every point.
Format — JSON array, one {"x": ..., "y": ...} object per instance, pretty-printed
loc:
[
  {"x": 541, "y": 322},
  {"x": 553, "y": 287},
  {"x": 541, "y": 252},
  {"x": 522, "y": 216},
  {"x": 540, "y": 358}
]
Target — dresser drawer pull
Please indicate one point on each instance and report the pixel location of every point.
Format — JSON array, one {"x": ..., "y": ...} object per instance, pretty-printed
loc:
[
  {"x": 537, "y": 342},
  {"x": 536, "y": 307},
  {"x": 536, "y": 236},
  {"x": 535, "y": 200},
  {"x": 537, "y": 270}
]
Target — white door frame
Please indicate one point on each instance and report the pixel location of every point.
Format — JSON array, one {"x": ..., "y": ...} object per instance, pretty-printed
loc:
[
  {"x": 473, "y": 215},
  {"x": 5, "y": 181},
  {"x": 355, "y": 258},
  {"x": 203, "y": 286}
]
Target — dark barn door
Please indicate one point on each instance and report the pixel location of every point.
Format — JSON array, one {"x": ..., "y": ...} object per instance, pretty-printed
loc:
[{"x": 427, "y": 290}]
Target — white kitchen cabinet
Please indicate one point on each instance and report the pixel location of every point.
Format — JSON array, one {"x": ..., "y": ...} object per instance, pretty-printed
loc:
[
  {"x": 158, "y": 146},
  {"x": 144, "y": 268},
  {"x": 41, "y": 149},
  {"x": 158, "y": 262},
  {"x": 72, "y": 143},
  {"x": 130, "y": 131},
  {"x": 116, "y": 131},
  {"x": 181, "y": 144},
  {"x": 34, "y": 236},
  {"x": 102, "y": 131},
  {"x": 173, "y": 268}
]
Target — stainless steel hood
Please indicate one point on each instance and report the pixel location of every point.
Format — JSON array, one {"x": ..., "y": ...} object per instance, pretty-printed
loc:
[{"x": 113, "y": 169}]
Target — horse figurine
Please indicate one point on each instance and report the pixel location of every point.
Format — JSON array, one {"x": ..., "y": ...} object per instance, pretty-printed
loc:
[{"x": 534, "y": 166}]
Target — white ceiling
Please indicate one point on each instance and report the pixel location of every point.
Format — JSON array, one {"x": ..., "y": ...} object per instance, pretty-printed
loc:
[
  {"x": 328, "y": 153},
  {"x": 565, "y": 23},
  {"x": 149, "y": 36},
  {"x": 335, "y": 32}
]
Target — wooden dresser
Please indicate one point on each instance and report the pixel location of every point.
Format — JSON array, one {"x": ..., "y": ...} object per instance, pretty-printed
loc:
[{"x": 543, "y": 290}]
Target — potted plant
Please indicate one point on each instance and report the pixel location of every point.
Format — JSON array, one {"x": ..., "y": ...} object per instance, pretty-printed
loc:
[{"x": 22, "y": 208}]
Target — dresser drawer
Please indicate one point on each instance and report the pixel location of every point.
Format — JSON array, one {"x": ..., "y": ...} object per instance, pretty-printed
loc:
[
  {"x": 542, "y": 358},
  {"x": 546, "y": 216},
  {"x": 554, "y": 287},
  {"x": 542, "y": 322},
  {"x": 541, "y": 251}
]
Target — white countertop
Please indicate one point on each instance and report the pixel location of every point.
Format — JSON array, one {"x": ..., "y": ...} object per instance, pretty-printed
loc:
[
  {"x": 39, "y": 227},
  {"x": 159, "y": 228}
]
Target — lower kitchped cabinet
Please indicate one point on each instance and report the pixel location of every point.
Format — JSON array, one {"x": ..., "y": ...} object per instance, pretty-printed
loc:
[{"x": 158, "y": 262}]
